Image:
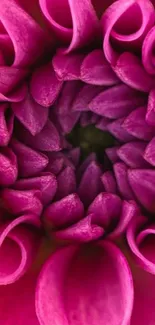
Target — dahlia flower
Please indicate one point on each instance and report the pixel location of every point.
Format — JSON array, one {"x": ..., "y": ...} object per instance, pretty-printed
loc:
[{"x": 77, "y": 158}]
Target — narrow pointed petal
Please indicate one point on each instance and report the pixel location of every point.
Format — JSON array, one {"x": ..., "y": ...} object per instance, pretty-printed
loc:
[
  {"x": 18, "y": 202},
  {"x": 90, "y": 183},
  {"x": 70, "y": 25},
  {"x": 132, "y": 154},
  {"x": 131, "y": 71},
  {"x": 142, "y": 182},
  {"x": 46, "y": 183},
  {"x": 149, "y": 154},
  {"x": 44, "y": 85},
  {"x": 32, "y": 115},
  {"x": 96, "y": 70},
  {"x": 8, "y": 167},
  {"x": 66, "y": 183},
  {"x": 67, "y": 67},
  {"x": 30, "y": 162},
  {"x": 121, "y": 174},
  {"x": 136, "y": 125},
  {"x": 105, "y": 281},
  {"x": 64, "y": 212},
  {"x": 90, "y": 158}
]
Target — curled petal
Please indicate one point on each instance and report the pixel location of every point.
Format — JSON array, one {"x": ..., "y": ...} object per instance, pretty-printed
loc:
[
  {"x": 46, "y": 183},
  {"x": 6, "y": 123},
  {"x": 132, "y": 154},
  {"x": 109, "y": 285},
  {"x": 67, "y": 67},
  {"x": 83, "y": 231},
  {"x": 131, "y": 71},
  {"x": 64, "y": 212},
  {"x": 141, "y": 239},
  {"x": 69, "y": 23},
  {"x": 27, "y": 36},
  {"x": 44, "y": 85},
  {"x": 96, "y": 70},
  {"x": 148, "y": 52},
  {"x": 18, "y": 247},
  {"x": 8, "y": 167},
  {"x": 90, "y": 180},
  {"x": 16, "y": 95},
  {"x": 66, "y": 182},
  {"x": 116, "y": 102},
  {"x": 121, "y": 174},
  {"x": 32, "y": 115},
  {"x": 126, "y": 23},
  {"x": 142, "y": 182},
  {"x": 30, "y": 162},
  {"x": 18, "y": 202},
  {"x": 136, "y": 125}
]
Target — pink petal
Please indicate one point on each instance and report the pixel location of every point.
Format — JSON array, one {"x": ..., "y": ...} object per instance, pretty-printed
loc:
[
  {"x": 28, "y": 38},
  {"x": 30, "y": 162},
  {"x": 136, "y": 125},
  {"x": 121, "y": 174},
  {"x": 10, "y": 78},
  {"x": 90, "y": 158},
  {"x": 67, "y": 96},
  {"x": 116, "y": 102},
  {"x": 96, "y": 70},
  {"x": 67, "y": 67},
  {"x": 6, "y": 123},
  {"x": 56, "y": 163},
  {"x": 103, "y": 123},
  {"x": 148, "y": 52},
  {"x": 150, "y": 115},
  {"x": 18, "y": 202},
  {"x": 44, "y": 85},
  {"x": 149, "y": 154},
  {"x": 47, "y": 140},
  {"x": 142, "y": 182},
  {"x": 85, "y": 96},
  {"x": 32, "y": 115},
  {"x": 105, "y": 283},
  {"x": 112, "y": 154},
  {"x": 90, "y": 183},
  {"x": 132, "y": 154},
  {"x": 68, "y": 121},
  {"x": 66, "y": 182},
  {"x": 64, "y": 212},
  {"x": 16, "y": 95},
  {"x": 46, "y": 183},
  {"x": 18, "y": 248},
  {"x": 131, "y": 71},
  {"x": 8, "y": 167},
  {"x": 117, "y": 129},
  {"x": 109, "y": 182},
  {"x": 126, "y": 23},
  {"x": 70, "y": 25}
]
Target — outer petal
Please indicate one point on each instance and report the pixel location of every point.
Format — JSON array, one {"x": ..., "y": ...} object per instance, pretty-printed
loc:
[
  {"x": 8, "y": 167},
  {"x": 67, "y": 67},
  {"x": 72, "y": 22},
  {"x": 148, "y": 52},
  {"x": 64, "y": 293}
]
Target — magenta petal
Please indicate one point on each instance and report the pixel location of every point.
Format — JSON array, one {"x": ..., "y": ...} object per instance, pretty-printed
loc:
[
  {"x": 8, "y": 167},
  {"x": 149, "y": 154},
  {"x": 142, "y": 182},
  {"x": 47, "y": 140},
  {"x": 105, "y": 283},
  {"x": 66, "y": 182},
  {"x": 109, "y": 182},
  {"x": 121, "y": 174},
  {"x": 85, "y": 96},
  {"x": 130, "y": 70},
  {"x": 112, "y": 154},
  {"x": 15, "y": 95},
  {"x": 132, "y": 154},
  {"x": 117, "y": 129},
  {"x": 90, "y": 158},
  {"x": 6, "y": 123},
  {"x": 69, "y": 23},
  {"x": 30, "y": 162},
  {"x": 18, "y": 248},
  {"x": 126, "y": 23},
  {"x": 64, "y": 212},
  {"x": 83, "y": 231},
  {"x": 67, "y": 67},
  {"x": 96, "y": 70},
  {"x": 102, "y": 124},
  {"x": 32, "y": 115},
  {"x": 136, "y": 125},
  {"x": 44, "y": 85},
  {"x": 150, "y": 115},
  {"x": 90, "y": 180},
  {"x": 27, "y": 36},
  {"x": 148, "y": 52},
  {"x": 65, "y": 101},
  {"x": 46, "y": 183},
  {"x": 10, "y": 78},
  {"x": 116, "y": 102},
  {"x": 18, "y": 202},
  {"x": 68, "y": 121},
  {"x": 23, "y": 298}
]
